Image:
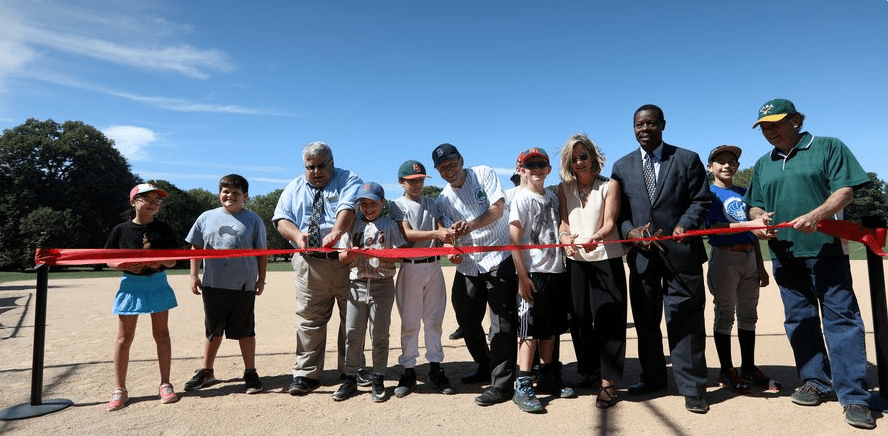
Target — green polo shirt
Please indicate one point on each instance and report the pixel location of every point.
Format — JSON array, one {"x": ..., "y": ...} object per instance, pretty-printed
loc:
[{"x": 794, "y": 184}]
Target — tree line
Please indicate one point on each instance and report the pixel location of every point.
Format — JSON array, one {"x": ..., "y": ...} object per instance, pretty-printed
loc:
[{"x": 66, "y": 186}]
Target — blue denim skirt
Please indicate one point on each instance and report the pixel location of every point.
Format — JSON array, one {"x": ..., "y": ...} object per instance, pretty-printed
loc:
[{"x": 143, "y": 295}]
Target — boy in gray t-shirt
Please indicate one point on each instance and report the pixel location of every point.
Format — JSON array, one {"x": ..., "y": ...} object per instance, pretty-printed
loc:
[{"x": 230, "y": 285}]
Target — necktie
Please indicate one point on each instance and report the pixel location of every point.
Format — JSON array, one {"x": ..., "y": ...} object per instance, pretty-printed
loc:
[
  {"x": 314, "y": 227},
  {"x": 649, "y": 178}
]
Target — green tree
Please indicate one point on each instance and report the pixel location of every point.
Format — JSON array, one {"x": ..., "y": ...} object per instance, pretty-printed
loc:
[
  {"x": 742, "y": 177},
  {"x": 870, "y": 200},
  {"x": 70, "y": 169},
  {"x": 263, "y": 205},
  {"x": 431, "y": 191},
  {"x": 205, "y": 200}
]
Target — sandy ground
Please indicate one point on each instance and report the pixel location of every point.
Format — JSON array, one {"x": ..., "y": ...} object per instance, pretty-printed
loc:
[{"x": 78, "y": 367}]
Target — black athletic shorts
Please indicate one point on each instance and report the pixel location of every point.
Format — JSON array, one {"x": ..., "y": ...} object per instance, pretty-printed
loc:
[{"x": 229, "y": 311}]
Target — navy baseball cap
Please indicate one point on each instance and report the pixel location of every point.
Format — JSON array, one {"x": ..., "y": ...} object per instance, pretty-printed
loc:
[
  {"x": 444, "y": 152},
  {"x": 372, "y": 191}
]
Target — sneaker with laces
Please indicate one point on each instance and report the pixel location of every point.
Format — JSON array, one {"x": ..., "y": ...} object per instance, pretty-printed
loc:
[
  {"x": 202, "y": 377},
  {"x": 810, "y": 395},
  {"x": 118, "y": 400},
  {"x": 858, "y": 415},
  {"x": 525, "y": 397},
  {"x": 251, "y": 380},
  {"x": 167, "y": 395},
  {"x": 348, "y": 388},
  {"x": 364, "y": 378},
  {"x": 377, "y": 391},
  {"x": 406, "y": 383},
  {"x": 439, "y": 380}
]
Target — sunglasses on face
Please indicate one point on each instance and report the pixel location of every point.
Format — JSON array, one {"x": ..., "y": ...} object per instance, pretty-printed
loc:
[
  {"x": 146, "y": 200},
  {"x": 317, "y": 167},
  {"x": 533, "y": 165},
  {"x": 582, "y": 157}
]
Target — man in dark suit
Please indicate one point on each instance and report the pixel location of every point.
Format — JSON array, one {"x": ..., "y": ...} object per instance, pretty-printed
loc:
[{"x": 665, "y": 189}]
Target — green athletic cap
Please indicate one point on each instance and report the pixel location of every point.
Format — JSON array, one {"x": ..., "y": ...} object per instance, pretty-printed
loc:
[{"x": 774, "y": 110}]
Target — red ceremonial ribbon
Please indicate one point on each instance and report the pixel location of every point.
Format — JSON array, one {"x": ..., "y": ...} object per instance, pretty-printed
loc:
[{"x": 874, "y": 238}]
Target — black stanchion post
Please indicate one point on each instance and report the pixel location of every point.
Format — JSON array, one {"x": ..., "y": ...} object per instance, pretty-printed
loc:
[
  {"x": 37, "y": 407},
  {"x": 876, "y": 273}
]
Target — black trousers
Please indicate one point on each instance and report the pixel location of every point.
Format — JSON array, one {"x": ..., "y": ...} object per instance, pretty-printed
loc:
[
  {"x": 471, "y": 296},
  {"x": 683, "y": 297}
]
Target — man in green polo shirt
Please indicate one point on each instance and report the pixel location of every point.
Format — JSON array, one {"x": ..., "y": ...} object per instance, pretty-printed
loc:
[{"x": 803, "y": 180}]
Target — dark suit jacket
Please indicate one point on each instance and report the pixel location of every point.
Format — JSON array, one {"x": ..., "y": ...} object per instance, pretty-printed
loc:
[{"x": 681, "y": 198}]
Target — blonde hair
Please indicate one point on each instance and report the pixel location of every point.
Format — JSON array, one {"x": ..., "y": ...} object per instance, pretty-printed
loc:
[{"x": 582, "y": 140}]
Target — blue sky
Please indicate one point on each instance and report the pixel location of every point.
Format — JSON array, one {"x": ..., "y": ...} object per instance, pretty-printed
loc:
[{"x": 191, "y": 91}]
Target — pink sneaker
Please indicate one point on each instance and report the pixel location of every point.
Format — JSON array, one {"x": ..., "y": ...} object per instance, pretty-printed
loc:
[
  {"x": 167, "y": 395},
  {"x": 118, "y": 400}
]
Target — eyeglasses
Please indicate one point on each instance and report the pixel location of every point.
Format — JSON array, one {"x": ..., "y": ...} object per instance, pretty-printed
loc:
[
  {"x": 317, "y": 167},
  {"x": 536, "y": 164},
  {"x": 582, "y": 157},
  {"x": 146, "y": 200}
]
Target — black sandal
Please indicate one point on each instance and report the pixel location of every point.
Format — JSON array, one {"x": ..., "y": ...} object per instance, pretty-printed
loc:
[{"x": 606, "y": 397}]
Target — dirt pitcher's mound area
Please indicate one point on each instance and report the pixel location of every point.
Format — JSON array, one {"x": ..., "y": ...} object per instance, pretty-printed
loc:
[{"x": 80, "y": 332}]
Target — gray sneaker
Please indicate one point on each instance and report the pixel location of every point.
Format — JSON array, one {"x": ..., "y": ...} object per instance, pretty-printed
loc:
[
  {"x": 525, "y": 397},
  {"x": 858, "y": 415},
  {"x": 810, "y": 395}
]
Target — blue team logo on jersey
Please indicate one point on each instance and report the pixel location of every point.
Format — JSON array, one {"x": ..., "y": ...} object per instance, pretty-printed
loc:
[{"x": 735, "y": 210}]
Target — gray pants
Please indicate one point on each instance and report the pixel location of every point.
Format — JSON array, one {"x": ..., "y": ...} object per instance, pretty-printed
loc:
[
  {"x": 319, "y": 284},
  {"x": 733, "y": 279},
  {"x": 369, "y": 301}
]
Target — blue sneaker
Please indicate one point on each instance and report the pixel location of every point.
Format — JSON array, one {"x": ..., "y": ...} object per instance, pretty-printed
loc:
[{"x": 525, "y": 397}]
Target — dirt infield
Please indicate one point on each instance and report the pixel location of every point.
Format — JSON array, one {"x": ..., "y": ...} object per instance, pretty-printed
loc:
[{"x": 78, "y": 367}]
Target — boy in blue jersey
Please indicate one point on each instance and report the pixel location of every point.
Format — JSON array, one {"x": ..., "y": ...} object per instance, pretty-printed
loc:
[{"x": 736, "y": 271}]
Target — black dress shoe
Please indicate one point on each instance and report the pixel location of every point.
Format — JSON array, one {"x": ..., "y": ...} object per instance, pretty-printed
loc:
[
  {"x": 644, "y": 387},
  {"x": 303, "y": 385},
  {"x": 457, "y": 334},
  {"x": 696, "y": 404},
  {"x": 481, "y": 375},
  {"x": 493, "y": 396}
]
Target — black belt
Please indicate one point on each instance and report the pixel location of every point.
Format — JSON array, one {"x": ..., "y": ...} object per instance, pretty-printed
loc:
[
  {"x": 324, "y": 255},
  {"x": 423, "y": 260}
]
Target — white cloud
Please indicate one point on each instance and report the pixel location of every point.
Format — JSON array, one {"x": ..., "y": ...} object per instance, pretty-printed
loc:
[
  {"x": 102, "y": 34},
  {"x": 131, "y": 141}
]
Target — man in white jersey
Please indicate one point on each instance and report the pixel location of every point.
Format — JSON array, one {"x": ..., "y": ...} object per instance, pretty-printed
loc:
[{"x": 472, "y": 205}]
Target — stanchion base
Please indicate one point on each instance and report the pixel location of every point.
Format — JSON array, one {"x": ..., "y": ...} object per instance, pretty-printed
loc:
[{"x": 23, "y": 411}]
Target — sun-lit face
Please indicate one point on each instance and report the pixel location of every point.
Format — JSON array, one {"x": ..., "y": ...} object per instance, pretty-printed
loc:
[
  {"x": 413, "y": 187},
  {"x": 783, "y": 134},
  {"x": 370, "y": 208},
  {"x": 318, "y": 171},
  {"x": 581, "y": 163},
  {"x": 723, "y": 166},
  {"x": 147, "y": 205},
  {"x": 649, "y": 129},
  {"x": 536, "y": 169},
  {"x": 232, "y": 199},
  {"x": 451, "y": 171}
]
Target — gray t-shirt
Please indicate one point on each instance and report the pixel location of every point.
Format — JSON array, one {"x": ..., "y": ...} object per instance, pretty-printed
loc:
[
  {"x": 217, "y": 229},
  {"x": 420, "y": 214}
]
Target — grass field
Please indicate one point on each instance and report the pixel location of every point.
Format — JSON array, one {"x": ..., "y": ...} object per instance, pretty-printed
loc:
[{"x": 857, "y": 251}]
